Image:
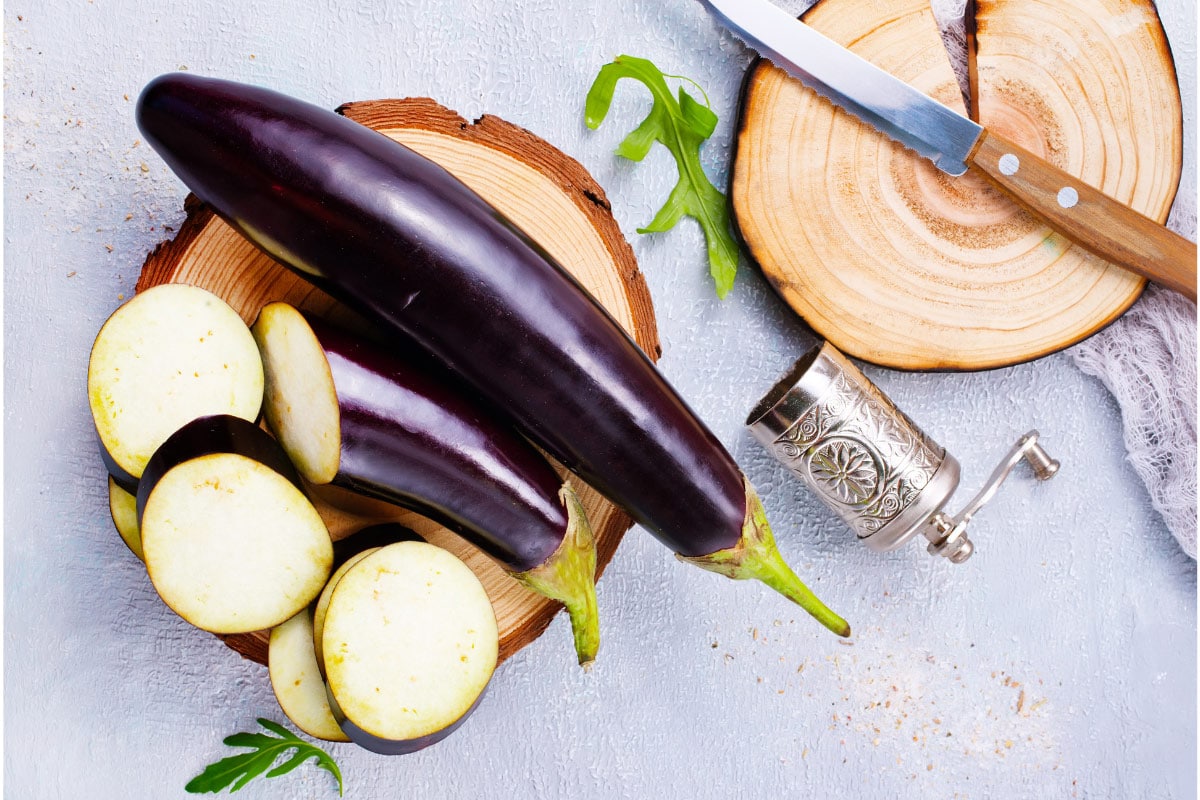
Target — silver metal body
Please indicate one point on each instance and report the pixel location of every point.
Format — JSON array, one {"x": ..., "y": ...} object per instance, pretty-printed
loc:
[
  {"x": 848, "y": 443},
  {"x": 868, "y": 462},
  {"x": 945, "y": 137}
]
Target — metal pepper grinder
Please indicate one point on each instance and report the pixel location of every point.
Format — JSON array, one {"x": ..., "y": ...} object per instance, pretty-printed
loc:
[{"x": 870, "y": 463}]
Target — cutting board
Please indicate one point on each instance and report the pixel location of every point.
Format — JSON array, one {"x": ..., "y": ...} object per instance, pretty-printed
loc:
[
  {"x": 900, "y": 265},
  {"x": 551, "y": 197}
]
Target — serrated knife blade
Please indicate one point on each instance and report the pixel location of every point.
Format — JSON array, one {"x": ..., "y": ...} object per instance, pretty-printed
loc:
[
  {"x": 889, "y": 104},
  {"x": 954, "y": 144}
]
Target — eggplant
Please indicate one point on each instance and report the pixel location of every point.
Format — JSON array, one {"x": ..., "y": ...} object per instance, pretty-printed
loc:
[
  {"x": 230, "y": 541},
  {"x": 170, "y": 354},
  {"x": 398, "y": 238},
  {"x": 409, "y": 645},
  {"x": 369, "y": 419}
]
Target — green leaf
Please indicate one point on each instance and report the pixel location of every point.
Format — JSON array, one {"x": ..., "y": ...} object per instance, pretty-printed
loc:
[
  {"x": 681, "y": 125},
  {"x": 234, "y": 772}
]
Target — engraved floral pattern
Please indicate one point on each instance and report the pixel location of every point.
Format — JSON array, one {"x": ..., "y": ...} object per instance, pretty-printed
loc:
[
  {"x": 866, "y": 459},
  {"x": 845, "y": 471}
]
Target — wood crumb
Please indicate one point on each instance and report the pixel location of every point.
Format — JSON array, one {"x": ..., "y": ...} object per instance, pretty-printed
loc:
[{"x": 1021, "y": 701}]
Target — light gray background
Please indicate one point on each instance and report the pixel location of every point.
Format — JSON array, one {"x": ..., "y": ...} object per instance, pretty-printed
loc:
[{"x": 1078, "y": 597}]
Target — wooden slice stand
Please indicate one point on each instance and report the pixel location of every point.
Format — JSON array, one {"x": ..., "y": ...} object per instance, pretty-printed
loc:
[
  {"x": 547, "y": 194},
  {"x": 898, "y": 264}
]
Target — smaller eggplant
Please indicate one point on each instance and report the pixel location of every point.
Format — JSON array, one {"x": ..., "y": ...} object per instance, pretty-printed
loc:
[
  {"x": 409, "y": 645},
  {"x": 350, "y": 413},
  {"x": 230, "y": 541}
]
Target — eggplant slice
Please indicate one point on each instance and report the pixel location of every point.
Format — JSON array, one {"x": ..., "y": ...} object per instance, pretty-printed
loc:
[
  {"x": 123, "y": 507},
  {"x": 410, "y": 644},
  {"x": 169, "y": 355},
  {"x": 297, "y": 681},
  {"x": 230, "y": 541}
]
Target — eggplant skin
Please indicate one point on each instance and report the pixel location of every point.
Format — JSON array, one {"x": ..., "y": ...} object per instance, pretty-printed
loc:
[
  {"x": 219, "y": 433},
  {"x": 396, "y": 747},
  {"x": 397, "y": 237}
]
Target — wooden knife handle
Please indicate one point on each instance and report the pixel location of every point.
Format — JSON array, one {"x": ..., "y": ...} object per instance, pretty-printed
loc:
[{"x": 1089, "y": 217}]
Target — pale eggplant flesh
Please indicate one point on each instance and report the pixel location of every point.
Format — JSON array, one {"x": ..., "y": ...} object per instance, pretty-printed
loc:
[{"x": 170, "y": 354}]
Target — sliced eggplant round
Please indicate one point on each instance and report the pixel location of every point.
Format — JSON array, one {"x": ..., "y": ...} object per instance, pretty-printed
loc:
[
  {"x": 296, "y": 680},
  {"x": 231, "y": 543},
  {"x": 171, "y": 354},
  {"x": 410, "y": 643},
  {"x": 123, "y": 507}
]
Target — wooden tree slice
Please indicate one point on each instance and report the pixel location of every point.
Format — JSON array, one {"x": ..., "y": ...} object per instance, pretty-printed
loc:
[
  {"x": 550, "y": 196},
  {"x": 900, "y": 265}
]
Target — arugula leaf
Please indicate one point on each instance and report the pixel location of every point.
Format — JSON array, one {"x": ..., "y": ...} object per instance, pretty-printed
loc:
[
  {"x": 238, "y": 770},
  {"x": 682, "y": 126}
]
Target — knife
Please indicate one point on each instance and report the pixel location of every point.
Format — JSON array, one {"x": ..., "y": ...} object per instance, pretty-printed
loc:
[{"x": 954, "y": 144}]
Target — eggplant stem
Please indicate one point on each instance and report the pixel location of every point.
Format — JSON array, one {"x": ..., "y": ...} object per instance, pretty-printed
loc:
[
  {"x": 569, "y": 576},
  {"x": 756, "y": 556}
]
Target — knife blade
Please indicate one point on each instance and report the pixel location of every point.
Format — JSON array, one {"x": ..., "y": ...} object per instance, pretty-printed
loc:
[{"x": 954, "y": 143}]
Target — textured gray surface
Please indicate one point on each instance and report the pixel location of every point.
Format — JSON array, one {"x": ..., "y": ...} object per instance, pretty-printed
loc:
[{"x": 1060, "y": 662}]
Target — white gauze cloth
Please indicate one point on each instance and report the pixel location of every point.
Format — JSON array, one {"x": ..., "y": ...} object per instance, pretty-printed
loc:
[{"x": 1147, "y": 359}]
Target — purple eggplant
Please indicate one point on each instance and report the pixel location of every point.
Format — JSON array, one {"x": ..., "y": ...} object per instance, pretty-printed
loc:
[
  {"x": 397, "y": 237},
  {"x": 366, "y": 418}
]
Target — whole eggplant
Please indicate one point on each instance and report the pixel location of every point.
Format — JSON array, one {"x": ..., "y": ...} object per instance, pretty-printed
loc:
[
  {"x": 388, "y": 428},
  {"x": 399, "y": 238}
]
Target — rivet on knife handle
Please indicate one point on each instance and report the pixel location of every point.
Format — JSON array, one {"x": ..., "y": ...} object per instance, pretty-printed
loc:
[{"x": 1088, "y": 217}]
